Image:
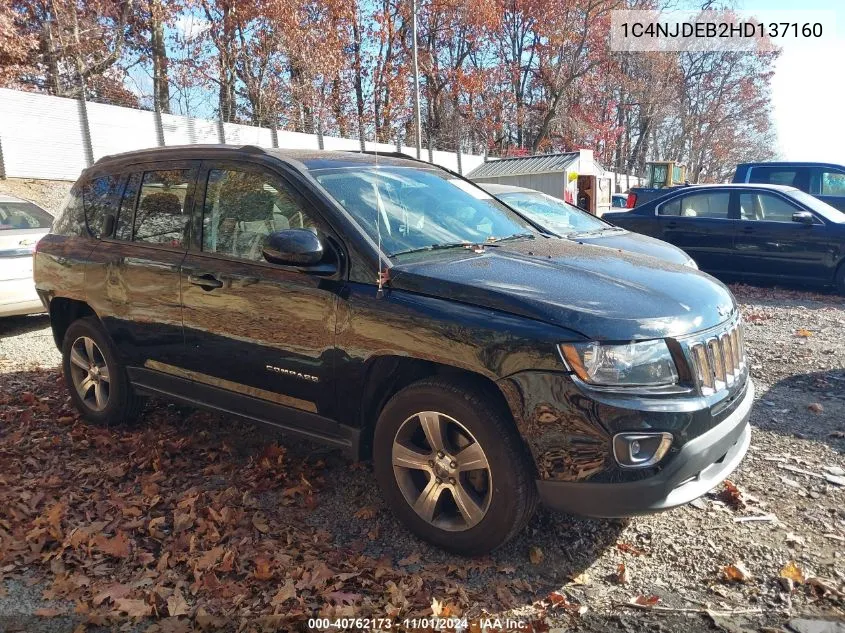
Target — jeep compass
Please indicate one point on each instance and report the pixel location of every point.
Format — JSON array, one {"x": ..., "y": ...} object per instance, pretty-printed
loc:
[{"x": 392, "y": 309}]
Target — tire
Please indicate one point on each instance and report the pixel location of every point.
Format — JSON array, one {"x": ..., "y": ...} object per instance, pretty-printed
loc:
[
  {"x": 496, "y": 502},
  {"x": 102, "y": 394},
  {"x": 840, "y": 279}
]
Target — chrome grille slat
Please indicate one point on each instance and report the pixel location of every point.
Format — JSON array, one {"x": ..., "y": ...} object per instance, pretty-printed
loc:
[{"x": 718, "y": 360}]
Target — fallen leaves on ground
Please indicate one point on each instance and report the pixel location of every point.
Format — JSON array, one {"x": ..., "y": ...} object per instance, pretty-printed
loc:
[
  {"x": 736, "y": 572},
  {"x": 816, "y": 407},
  {"x": 792, "y": 571},
  {"x": 621, "y": 576},
  {"x": 803, "y": 332},
  {"x": 165, "y": 521},
  {"x": 731, "y": 495}
]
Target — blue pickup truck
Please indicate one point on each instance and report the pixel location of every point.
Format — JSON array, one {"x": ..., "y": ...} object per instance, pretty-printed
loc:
[{"x": 825, "y": 181}]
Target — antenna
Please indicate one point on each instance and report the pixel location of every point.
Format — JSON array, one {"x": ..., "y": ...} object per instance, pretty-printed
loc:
[{"x": 383, "y": 277}]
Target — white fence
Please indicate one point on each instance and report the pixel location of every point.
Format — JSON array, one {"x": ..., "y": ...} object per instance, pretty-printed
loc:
[{"x": 46, "y": 137}]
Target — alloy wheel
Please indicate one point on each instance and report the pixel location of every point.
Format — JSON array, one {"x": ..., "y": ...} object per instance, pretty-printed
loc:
[
  {"x": 90, "y": 373},
  {"x": 442, "y": 471}
]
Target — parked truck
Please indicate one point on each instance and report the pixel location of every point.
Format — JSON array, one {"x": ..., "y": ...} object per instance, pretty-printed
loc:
[
  {"x": 825, "y": 181},
  {"x": 662, "y": 177}
]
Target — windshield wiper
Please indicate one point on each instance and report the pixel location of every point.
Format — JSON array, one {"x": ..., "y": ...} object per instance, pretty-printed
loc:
[
  {"x": 515, "y": 236},
  {"x": 576, "y": 234},
  {"x": 433, "y": 247}
]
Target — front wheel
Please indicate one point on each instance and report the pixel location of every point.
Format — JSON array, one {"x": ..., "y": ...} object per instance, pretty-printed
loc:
[{"x": 453, "y": 468}]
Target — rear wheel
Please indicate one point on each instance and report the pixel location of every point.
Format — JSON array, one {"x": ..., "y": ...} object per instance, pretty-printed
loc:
[
  {"x": 98, "y": 384},
  {"x": 452, "y": 467}
]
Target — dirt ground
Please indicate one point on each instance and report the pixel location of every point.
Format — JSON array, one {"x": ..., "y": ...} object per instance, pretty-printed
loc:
[
  {"x": 197, "y": 521},
  {"x": 48, "y": 194}
]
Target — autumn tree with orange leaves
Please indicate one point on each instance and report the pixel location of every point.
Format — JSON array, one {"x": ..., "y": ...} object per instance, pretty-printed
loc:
[{"x": 502, "y": 76}]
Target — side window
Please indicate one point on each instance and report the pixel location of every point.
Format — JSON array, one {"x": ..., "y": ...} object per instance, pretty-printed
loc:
[
  {"x": 242, "y": 207},
  {"x": 705, "y": 205},
  {"x": 765, "y": 207},
  {"x": 99, "y": 198},
  {"x": 71, "y": 218},
  {"x": 831, "y": 183},
  {"x": 673, "y": 207},
  {"x": 125, "y": 216},
  {"x": 775, "y": 175},
  {"x": 161, "y": 217}
]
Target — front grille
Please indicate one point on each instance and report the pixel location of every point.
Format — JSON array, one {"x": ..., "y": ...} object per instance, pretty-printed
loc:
[{"x": 718, "y": 360}]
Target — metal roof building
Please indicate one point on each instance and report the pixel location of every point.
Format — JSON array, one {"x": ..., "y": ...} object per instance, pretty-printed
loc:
[
  {"x": 524, "y": 165},
  {"x": 572, "y": 176}
]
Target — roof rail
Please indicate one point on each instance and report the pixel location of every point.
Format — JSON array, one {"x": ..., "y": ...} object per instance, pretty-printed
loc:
[{"x": 253, "y": 149}]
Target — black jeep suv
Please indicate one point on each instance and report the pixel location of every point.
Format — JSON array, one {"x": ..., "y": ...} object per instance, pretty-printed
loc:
[{"x": 395, "y": 310}]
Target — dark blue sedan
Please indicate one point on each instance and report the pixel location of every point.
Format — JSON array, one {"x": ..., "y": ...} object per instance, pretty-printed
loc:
[{"x": 751, "y": 231}]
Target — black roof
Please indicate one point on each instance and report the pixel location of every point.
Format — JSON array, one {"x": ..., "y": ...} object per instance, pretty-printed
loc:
[{"x": 305, "y": 159}]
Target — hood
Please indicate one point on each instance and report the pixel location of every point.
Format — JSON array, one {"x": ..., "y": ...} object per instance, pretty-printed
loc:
[
  {"x": 598, "y": 292},
  {"x": 636, "y": 243}
]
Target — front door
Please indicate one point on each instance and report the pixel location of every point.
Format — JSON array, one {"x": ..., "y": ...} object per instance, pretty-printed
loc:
[
  {"x": 700, "y": 224},
  {"x": 769, "y": 243},
  {"x": 252, "y": 328}
]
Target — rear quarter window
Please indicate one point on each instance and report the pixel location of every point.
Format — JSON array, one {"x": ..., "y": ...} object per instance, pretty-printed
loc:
[
  {"x": 70, "y": 220},
  {"x": 775, "y": 176},
  {"x": 100, "y": 199}
]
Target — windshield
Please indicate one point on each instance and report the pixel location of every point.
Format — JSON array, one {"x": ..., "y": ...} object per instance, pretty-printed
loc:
[
  {"x": 407, "y": 208},
  {"x": 23, "y": 215},
  {"x": 832, "y": 214},
  {"x": 552, "y": 213}
]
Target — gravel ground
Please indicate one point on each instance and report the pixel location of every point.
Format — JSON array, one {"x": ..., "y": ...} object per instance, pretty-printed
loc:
[
  {"x": 702, "y": 557},
  {"x": 48, "y": 194}
]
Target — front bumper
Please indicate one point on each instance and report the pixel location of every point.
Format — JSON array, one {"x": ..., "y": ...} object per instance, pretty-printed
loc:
[{"x": 699, "y": 466}]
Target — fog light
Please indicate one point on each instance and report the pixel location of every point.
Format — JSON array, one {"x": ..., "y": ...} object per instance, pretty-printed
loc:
[{"x": 640, "y": 450}]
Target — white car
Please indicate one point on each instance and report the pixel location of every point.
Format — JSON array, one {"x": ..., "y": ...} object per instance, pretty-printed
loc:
[{"x": 22, "y": 224}]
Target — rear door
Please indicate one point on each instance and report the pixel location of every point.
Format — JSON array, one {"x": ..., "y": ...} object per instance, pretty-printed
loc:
[
  {"x": 133, "y": 279},
  {"x": 828, "y": 184},
  {"x": 701, "y": 223},
  {"x": 261, "y": 331},
  {"x": 769, "y": 244}
]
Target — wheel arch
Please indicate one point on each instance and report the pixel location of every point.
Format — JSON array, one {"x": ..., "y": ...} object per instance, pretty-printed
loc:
[
  {"x": 63, "y": 312},
  {"x": 387, "y": 375}
]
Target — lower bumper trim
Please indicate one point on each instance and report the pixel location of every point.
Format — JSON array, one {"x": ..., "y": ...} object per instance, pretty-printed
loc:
[{"x": 701, "y": 465}]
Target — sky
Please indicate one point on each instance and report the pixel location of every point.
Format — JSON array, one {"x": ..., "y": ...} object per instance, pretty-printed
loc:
[{"x": 808, "y": 91}]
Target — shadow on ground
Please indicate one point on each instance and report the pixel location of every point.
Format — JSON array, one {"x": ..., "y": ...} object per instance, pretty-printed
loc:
[{"x": 15, "y": 325}]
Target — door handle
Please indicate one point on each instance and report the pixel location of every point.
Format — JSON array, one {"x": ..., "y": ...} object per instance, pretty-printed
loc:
[
  {"x": 748, "y": 229},
  {"x": 206, "y": 281},
  {"x": 672, "y": 225}
]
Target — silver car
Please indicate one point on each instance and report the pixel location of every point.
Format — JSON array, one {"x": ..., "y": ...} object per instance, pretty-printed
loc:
[
  {"x": 22, "y": 224},
  {"x": 570, "y": 222}
]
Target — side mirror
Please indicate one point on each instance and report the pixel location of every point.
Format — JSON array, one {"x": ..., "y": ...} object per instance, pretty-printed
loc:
[
  {"x": 294, "y": 247},
  {"x": 803, "y": 217}
]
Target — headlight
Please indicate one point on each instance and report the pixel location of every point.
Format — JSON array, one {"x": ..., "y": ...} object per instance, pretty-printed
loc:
[{"x": 640, "y": 364}]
